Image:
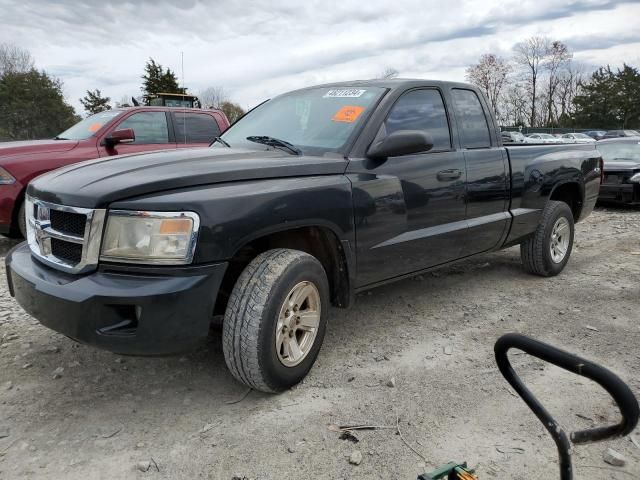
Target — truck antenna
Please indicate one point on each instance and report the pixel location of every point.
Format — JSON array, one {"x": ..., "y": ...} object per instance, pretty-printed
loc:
[{"x": 184, "y": 109}]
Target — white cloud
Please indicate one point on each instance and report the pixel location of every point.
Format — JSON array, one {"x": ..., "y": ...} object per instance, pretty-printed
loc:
[{"x": 260, "y": 48}]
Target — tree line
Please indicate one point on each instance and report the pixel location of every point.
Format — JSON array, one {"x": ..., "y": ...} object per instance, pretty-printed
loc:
[
  {"x": 538, "y": 85},
  {"x": 541, "y": 85}
]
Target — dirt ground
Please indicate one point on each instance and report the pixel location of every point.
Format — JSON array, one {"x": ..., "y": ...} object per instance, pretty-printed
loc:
[{"x": 103, "y": 414}]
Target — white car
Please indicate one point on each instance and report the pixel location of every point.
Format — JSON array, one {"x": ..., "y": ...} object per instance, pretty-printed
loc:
[
  {"x": 544, "y": 138},
  {"x": 577, "y": 138}
]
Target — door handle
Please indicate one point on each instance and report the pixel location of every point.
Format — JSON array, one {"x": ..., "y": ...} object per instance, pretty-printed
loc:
[{"x": 448, "y": 175}]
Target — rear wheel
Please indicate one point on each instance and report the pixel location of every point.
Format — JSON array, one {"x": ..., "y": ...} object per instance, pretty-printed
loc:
[
  {"x": 547, "y": 251},
  {"x": 276, "y": 319}
]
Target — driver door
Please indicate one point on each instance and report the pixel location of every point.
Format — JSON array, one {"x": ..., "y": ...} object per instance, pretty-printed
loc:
[{"x": 410, "y": 210}]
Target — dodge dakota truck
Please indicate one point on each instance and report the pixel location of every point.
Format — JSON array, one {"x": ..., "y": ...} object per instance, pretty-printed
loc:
[
  {"x": 105, "y": 134},
  {"x": 313, "y": 196}
]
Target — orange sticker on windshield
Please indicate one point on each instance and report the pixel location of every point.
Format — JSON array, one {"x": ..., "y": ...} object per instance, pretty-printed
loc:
[
  {"x": 348, "y": 113},
  {"x": 94, "y": 127}
]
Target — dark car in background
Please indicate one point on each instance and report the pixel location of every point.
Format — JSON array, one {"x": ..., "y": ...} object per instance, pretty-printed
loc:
[
  {"x": 621, "y": 181},
  {"x": 621, "y": 133},
  {"x": 596, "y": 134},
  {"x": 112, "y": 132}
]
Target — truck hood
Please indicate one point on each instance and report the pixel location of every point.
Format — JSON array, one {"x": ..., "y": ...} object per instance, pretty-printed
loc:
[
  {"x": 97, "y": 183},
  {"x": 28, "y": 147}
]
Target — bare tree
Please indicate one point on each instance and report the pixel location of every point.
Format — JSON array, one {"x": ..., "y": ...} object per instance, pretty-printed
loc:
[
  {"x": 388, "y": 73},
  {"x": 516, "y": 105},
  {"x": 570, "y": 80},
  {"x": 557, "y": 57},
  {"x": 14, "y": 59},
  {"x": 490, "y": 75},
  {"x": 213, "y": 97},
  {"x": 531, "y": 54}
]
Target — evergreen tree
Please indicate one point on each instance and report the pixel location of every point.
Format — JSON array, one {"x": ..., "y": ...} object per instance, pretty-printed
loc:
[
  {"x": 610, "y": 99},
  {"x": 94, "y": 102},
  {"x": 32, "y": 106},
  {"x": 158, "y": 80}
]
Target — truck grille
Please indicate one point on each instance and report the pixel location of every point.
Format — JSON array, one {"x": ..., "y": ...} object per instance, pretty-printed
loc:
[
  {"x": 70, "y": 252},
  {"x": 68, "y": 222},
  {"x": 66, "y": 238},
  {"x": 617, "y": 177}
]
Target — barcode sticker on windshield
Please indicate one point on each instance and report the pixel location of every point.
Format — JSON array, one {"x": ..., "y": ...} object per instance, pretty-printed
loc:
[{"x": 344, "y": 93}]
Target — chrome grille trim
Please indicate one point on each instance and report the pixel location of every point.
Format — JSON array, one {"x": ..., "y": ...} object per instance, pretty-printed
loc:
[{"x": 40, "y": 232}]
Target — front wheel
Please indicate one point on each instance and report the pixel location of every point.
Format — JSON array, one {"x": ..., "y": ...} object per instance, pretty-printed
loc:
[
  {"x": 547, "y": 251},
  {"x": 275, "y": 320}
]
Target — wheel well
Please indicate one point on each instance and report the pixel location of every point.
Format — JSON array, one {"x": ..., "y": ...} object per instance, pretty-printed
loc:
[
  {"x": 320, "y": 242},
  {"x": 570, "y": 194}
]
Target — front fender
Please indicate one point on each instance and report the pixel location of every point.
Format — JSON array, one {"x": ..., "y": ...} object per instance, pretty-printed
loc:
[{"x": 233, "y": 214}]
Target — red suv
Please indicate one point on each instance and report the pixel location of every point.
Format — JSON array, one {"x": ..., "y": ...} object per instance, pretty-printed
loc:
[{"x": 108, "y": 133}]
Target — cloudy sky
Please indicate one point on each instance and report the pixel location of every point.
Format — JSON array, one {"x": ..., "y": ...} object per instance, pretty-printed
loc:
[{"x": 259, "y": 48}]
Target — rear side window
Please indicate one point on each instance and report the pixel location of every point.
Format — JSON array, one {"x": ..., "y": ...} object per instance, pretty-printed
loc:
[
  {"x": 195, "y": 127},
  {"x": 421, "y": 110},
  {"x": 149, "y": 127},
  {"x": 472, "y": 122}
]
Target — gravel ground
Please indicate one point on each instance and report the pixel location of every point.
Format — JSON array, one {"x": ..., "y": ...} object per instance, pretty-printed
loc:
[{"x": 69, "y": 411}]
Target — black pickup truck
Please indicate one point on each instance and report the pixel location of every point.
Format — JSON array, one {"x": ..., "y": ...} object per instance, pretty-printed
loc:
[{"x": 311, "y": 197}]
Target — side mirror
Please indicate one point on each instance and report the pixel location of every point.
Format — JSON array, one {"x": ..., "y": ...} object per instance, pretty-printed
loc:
[
  {"x": 401, "y": 142},
  {"x": 126, "y": 135}
]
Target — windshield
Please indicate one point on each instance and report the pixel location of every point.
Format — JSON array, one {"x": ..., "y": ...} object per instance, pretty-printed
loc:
[
  {"x": 620, "y": 151},
  {"x": 581, "y": 135},
  {"x": 89, "y": 126},
  {"x": 316, "y": 120},
  {"x": 631, "y": 133}
]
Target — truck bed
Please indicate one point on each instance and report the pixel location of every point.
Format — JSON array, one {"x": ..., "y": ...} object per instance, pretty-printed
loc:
[{"x": 538, "y": 169}]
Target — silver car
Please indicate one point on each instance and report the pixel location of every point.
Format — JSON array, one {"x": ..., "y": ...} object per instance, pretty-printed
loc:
[
  {"x": 577, "y": 138},
  {"x": 544, "y": 138}
]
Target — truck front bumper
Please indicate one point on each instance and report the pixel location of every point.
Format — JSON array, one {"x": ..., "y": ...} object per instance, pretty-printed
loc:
[
  {"x": 132, "y": 313},
  {"x": 627, "y": 193}
]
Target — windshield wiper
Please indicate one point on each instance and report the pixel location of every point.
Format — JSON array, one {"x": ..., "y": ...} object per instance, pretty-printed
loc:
[
  {"x": 60, "y": 138},
  {"x": 222, "y": 141},
  {"x": 275, "y": 142}
]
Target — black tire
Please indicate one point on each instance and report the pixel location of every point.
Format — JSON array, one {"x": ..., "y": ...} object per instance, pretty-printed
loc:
[
  {"x": 249, "y": 327},
  {"x": 535, "y": 252},
  {"x": 19, "y": 228},
  {"x": 22, "y": 221}
]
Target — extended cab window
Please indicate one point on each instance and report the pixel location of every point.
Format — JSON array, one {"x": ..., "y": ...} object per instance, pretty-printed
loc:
[
  {"x": 421, "y": 110},
  {"x": 195, "y": 127},
  {"x": 471, "y": 120},
  {"x": 149, "y": 127}
]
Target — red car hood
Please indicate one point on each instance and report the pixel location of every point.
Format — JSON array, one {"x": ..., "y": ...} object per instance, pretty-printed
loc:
[{"x": 12, "y": 149}]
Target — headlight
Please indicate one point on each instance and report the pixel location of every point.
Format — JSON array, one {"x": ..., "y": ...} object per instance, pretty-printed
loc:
[
  {"x": 6, "y": 178},
  {"x": 635, "y": 178},
  {"x": 165, "y": 238}
]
